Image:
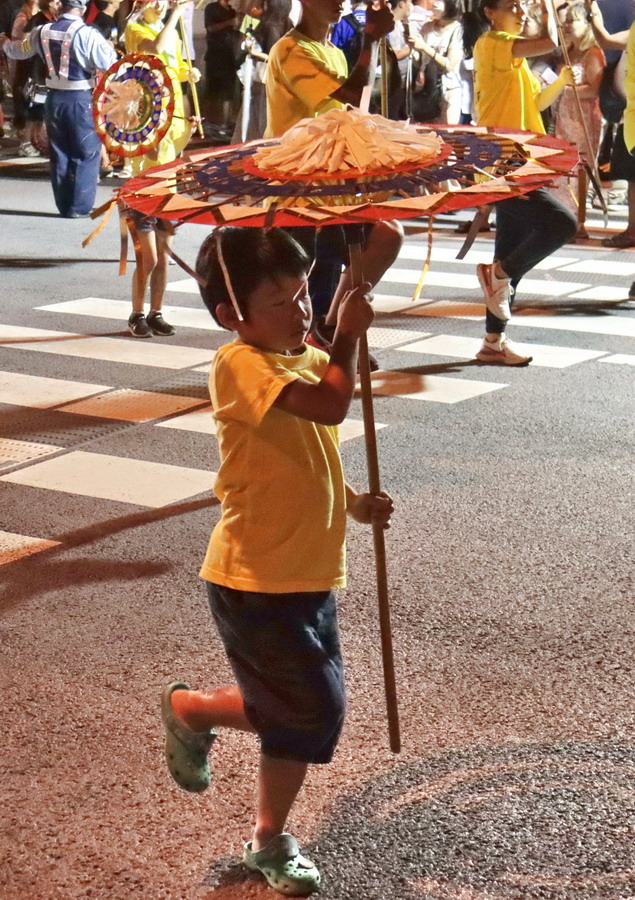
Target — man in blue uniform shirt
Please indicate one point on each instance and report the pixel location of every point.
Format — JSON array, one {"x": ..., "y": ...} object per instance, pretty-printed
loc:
[{"x": 72, "y": 52}]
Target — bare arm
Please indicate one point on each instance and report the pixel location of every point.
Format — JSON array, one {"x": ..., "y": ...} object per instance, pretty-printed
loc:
[
  {"x": 616, "y": 41},
  {"x": 162, "y": 41},
  {"x": 327, "y": 402},
  {"x": 379, "y": 23},
  {"x": 527, "y": 47},
  {"x": 446, "y": 63}
]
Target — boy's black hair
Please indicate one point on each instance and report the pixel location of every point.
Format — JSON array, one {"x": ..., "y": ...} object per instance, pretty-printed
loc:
[{"x": 250, "y": 255}]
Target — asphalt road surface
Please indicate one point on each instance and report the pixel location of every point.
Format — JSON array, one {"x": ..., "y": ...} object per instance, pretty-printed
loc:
[{"x": 511, "y": 580}]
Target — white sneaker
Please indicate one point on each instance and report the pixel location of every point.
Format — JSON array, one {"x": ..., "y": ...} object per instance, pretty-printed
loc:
[
  {"x": 27, "y": 149},
  {"x": 501, "y": 352},
  {"x": 496, "y": 291}
]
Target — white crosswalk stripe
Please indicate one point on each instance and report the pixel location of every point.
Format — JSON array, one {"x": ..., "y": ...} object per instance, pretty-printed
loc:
[
  {"x": 49, "y": 465},
  {"x": 115, "y": 478}
]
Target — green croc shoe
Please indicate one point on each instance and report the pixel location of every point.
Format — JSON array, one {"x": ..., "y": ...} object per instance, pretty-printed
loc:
[
  {"x": 283, "y": 866},
  {"x": 185, "y": 750}
]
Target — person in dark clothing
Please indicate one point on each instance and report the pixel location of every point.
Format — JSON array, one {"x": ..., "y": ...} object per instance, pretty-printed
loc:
[
  {"x": 221, "y": 79},
  {"x": 73, "y": 53}
]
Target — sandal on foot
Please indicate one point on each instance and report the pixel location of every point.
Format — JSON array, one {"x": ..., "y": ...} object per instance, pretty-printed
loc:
[
  {"x": 185, "y": 750},
  {"x": 285, "y": 869},
  {"x": 621, "y": 241}
]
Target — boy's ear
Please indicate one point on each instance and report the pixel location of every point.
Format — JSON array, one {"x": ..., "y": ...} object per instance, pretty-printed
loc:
[{"x": 227, "y": 316}]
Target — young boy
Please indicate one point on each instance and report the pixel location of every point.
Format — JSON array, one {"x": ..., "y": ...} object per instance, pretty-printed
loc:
[{"x": 278, "y": 551}]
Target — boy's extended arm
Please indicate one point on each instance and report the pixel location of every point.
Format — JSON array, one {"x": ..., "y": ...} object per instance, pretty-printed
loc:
[{"x": 327, "y": 402}]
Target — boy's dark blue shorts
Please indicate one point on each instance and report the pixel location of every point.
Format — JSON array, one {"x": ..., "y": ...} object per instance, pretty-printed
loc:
[{"x": 285, "y": 653}]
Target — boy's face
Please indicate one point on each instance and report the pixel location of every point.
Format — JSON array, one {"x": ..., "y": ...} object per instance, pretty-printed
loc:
[{"x": 278, "y": 315}]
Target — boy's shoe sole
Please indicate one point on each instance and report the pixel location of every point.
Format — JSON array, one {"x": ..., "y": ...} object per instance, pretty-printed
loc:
[
  {"x": 186, "y": 751},
  {"x": 283, "y": 866}
]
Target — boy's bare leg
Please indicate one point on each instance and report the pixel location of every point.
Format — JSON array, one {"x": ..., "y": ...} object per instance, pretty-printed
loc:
[
  {"x": 279, "y": 782},
  {"x": 144, "y": 271},
  {"x": 203, "y": 710},
  {"x": 159, "y": 277},
  {"x": 380, "y": 252}
]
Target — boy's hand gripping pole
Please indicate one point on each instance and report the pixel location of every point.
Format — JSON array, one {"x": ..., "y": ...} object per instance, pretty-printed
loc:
[{"x": 355, "y": 251}]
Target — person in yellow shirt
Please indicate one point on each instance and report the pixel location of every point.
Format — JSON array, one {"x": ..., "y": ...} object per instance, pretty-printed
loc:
[
  {"x": 146, "y": 32},
  {"x": 278, "y": 550},
  {"x": 531, "y": 227},
  {"x": 307, "y": 75}
]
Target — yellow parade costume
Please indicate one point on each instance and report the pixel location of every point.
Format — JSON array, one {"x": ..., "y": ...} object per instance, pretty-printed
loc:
[{"x": 179, "y": 132}]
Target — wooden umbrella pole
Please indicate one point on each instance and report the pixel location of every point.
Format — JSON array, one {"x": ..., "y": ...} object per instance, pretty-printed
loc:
[
  {"x": 188, "y": 60},
  {"x": 383, "y": 62},
  {"x": 379, "y": 543}
]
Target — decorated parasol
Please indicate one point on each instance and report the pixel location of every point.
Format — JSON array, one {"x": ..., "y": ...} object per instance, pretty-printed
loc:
[
  {"x": 344, "y": 168},
  {"x": 133, "y": 105}
]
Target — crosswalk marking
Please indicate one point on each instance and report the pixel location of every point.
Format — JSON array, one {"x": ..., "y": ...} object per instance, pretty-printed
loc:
[
  {"x": 16, "y": 546},
  {"x": 157, "y": 353},
  {"x": 119, "y": 310},
  {"x": 202, "y": 421},
  {"x": 391, "y": 337},
  {"x": 590, "y": 266},
  {"x": 418, "y": 251},
  {"x": 205, "y": 368},
  {"x": 545, "y": 288},
  {"x": 466, "y": 348},
  {"x": 132, "y": 406},
  {"x": 10, "y": 334},
  {"x": 184, "y": 286},
  {"x": 431, "y": 388},
  {"x": 531, "y": 317},
  {"x": 602, "y": 292},
  {"x": 390, "y": 303},
  {"x": 12, "y": 452},
  {"x": 41, "y": 393},
  {"x": 114, "y": 478},
  {"x": 621, "y": 359}
]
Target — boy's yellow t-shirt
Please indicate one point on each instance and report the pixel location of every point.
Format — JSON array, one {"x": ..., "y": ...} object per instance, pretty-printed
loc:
[
  {"x": 280, "y": 484},
  {"x": 505, "y": 89},
  {"x": 301, "y": 76}
]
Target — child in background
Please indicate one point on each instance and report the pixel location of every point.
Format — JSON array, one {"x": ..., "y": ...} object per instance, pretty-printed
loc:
[
  {"x": 530, "y": 227},
  {"x": 278, "y": 551},
  {"x": 147, "y": 32},
  {"x": 587, "y": 62}
]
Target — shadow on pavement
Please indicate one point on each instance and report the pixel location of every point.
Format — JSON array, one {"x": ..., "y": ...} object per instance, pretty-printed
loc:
[
  {"x": 34, "y": 262},
  {"x": 33, "y": 575},
  {"x": 517, "y": 822},
  {"x": 29, "y": 212}
]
